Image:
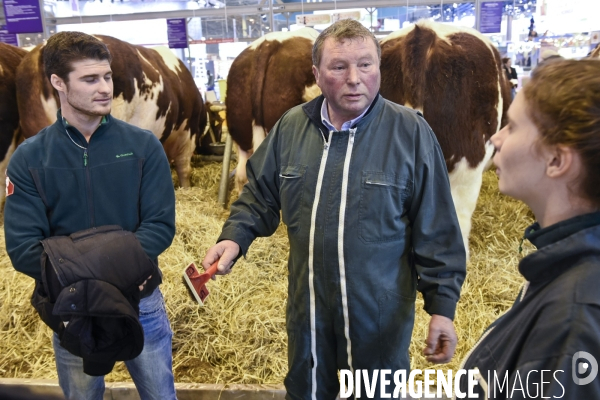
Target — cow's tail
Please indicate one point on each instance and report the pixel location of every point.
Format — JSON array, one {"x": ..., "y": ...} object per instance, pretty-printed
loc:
[
  {"x": 263, "y": 55},
  {"x": 421, "y": 42}
]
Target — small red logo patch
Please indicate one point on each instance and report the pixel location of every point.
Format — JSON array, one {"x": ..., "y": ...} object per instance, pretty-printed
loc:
[{"x": 10, "y": 187}]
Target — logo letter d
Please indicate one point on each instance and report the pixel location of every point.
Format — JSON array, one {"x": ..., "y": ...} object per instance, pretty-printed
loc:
[{"x": 582, "y": 367}]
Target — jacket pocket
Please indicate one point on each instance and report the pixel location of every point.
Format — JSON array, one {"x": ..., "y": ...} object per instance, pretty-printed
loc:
[
  {"x": 382, "y": 198},
  {"x": 291, "y": 180}
]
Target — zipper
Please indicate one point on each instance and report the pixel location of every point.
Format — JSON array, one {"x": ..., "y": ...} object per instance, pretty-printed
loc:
[
  {"x": 88, "y": 187},
  {"x": 482, "y": 383},
  {"x": 464, "y": 361},
  {"x": 311, "y": 271},
  {"x": 341, "y": 259},
  {"x": 88, "y": 183}
]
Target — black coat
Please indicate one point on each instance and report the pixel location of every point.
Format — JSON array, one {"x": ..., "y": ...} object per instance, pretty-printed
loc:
[
  {"x": 91, "y": 280},
  {"x": 555, "y": 318}
]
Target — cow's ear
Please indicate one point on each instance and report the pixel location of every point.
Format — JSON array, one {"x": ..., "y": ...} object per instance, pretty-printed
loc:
[{"x": 57, "y": 83}]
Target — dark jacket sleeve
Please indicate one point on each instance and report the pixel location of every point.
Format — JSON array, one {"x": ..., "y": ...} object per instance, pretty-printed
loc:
[
  {"x": 438, "y": 250},
  {"x": 157, "y": 202},
  {"x": 256, "y": 212},
  {"x": 25, "y": 219}
]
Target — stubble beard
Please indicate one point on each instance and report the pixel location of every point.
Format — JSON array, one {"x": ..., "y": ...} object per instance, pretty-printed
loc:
[{"x": 88, "y": 112}]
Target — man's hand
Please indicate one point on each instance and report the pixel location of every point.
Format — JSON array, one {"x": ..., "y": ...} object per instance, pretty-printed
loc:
[
  {"x": 441, "y": 341},
  {"x": 226, "y": 252}
]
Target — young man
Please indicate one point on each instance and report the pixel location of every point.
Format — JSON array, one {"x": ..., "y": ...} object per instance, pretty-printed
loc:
[
  {"x": 88, "y": 170},
  {"x": 362, "y": 186}
]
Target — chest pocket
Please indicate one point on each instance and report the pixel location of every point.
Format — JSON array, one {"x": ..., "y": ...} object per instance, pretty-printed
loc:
[
  {"x": 382, "y": 207},
  {"x": 291, "y": 181}
]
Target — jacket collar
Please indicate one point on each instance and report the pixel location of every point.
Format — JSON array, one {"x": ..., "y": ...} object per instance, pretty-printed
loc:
[
  {"x": 106, "y": 120},
  {"x": 560, "y": 245},
  {"x": 312, "y": 109}
]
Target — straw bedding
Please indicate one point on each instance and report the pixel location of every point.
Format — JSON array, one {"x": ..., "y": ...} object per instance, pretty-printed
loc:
[{"x": 240, "y": 336}]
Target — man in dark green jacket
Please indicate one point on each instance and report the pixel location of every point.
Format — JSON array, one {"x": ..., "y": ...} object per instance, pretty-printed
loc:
[
  {"x": 362, "y": 186},
  {"x": 87, "y": 170}
]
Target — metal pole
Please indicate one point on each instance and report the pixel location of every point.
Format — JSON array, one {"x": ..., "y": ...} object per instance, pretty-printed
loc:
[
  {"x": 478, "y": 15},
  {"x": 224, "y": 184},
  {"x": 45, "y": 33},
  {"x": 271, "y": 16}
]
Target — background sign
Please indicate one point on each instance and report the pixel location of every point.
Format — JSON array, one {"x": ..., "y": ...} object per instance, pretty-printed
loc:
[
  {"x": 491, "y": 17},
  {"x": 313, "y": 19},
  {"x": 345, "y": 15},
  {"x": 177, "y": 33},
  {"x": 23, "y": 16},
  {"x": 5, "y": 37}
]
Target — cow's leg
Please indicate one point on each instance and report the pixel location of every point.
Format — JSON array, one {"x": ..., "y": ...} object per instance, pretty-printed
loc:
[
  {"x": 240, "y": 169},
  {"x": 465, "y": 183},
  {"x": 258, "y": 135},
  {"x": 182, "y": 156}
]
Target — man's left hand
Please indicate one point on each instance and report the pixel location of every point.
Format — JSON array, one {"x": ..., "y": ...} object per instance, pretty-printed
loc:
[{"x": 441, "y": 341}]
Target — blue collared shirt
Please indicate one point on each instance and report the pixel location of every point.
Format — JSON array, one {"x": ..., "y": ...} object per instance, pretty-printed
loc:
[{"x": 346, "y": 125}]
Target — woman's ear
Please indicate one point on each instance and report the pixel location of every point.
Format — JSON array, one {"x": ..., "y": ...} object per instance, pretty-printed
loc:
[{"x": 562, "y": 160}]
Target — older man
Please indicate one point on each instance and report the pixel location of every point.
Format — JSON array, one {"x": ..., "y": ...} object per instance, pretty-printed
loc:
[{"x": 363, "y": 189}]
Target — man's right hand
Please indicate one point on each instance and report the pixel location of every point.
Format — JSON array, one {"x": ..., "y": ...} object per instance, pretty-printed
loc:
[{"x": 226, "y": 252}]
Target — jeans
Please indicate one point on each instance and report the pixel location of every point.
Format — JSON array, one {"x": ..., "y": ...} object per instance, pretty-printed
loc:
[{"x": 151, "y": 371}]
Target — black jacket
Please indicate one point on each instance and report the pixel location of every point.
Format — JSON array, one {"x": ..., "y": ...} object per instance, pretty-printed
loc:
[
  {"x": 90, "y": 279},
  {"x": 536, "y": 349}
]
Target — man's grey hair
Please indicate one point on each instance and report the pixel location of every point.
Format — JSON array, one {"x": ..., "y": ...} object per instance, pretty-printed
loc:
[{"x": 343, "y": 29}]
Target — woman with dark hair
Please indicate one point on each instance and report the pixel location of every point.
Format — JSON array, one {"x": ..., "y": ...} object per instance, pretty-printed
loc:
[{"x": 548, "y": 344}]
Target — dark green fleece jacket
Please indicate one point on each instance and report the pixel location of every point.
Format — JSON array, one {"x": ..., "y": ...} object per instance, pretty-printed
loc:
[{"x": 125, "y": 180}]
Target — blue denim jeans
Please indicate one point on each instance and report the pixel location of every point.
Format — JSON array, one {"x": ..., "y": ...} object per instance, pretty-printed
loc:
[{"x": 151, "y": 371}]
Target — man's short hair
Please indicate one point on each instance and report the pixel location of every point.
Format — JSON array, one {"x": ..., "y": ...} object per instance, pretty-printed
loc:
[
  {"x": 65, "y": 48},
  {"x": 343, "y": 29}
]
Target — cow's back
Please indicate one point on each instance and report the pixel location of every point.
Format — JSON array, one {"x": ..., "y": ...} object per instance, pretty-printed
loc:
[
  {"x": 152, "y": 90},
  {"x": 268, "y": 78},
  {"x": 454, "y": 77},
  {"x": 144, "y": 76}
]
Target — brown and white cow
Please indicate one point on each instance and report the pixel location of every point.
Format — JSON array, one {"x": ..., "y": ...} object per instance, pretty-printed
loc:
[
  {"x": 152, "y": 90},
  {"x": 10, "y": 57},
  {"x": 453, "y": 75},
  {"x": 268, "y": 78}
]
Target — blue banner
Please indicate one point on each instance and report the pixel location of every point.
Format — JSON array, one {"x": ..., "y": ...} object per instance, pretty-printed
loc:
[
  {"x": 177, "y": 33},
  {"x": 23, "y": 16},
  {"x": 491, "y": 17},
  {"x": 6, "y": 37}
]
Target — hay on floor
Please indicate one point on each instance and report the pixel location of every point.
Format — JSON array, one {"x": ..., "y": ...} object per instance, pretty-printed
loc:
[{"x": 239, "y": 336}]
